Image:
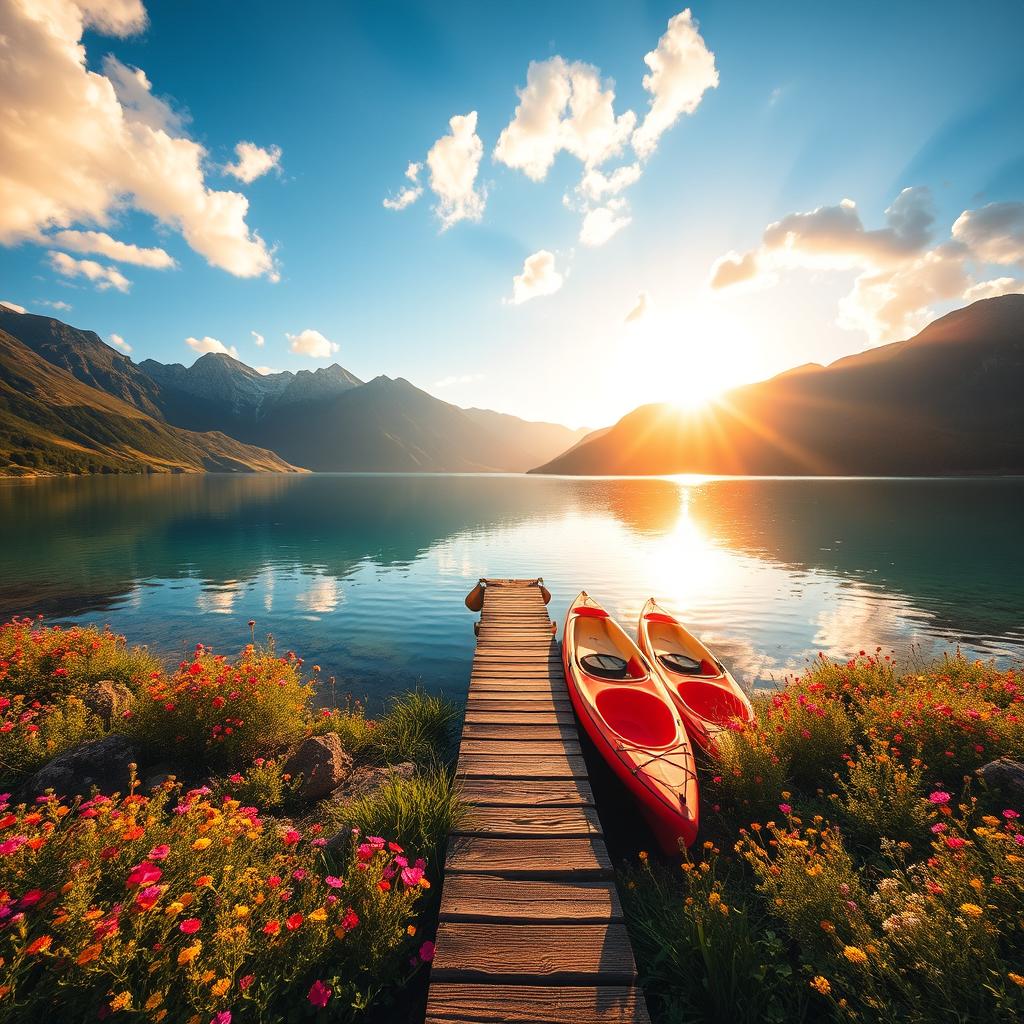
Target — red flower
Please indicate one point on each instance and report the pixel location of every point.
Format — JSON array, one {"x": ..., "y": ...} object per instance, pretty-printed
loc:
[
  {"x": 191, "y": 925},
  {"x": 294, "y": 922},
  {"x": 271, "y": 928},
  {"x": 319, "y": 993}
]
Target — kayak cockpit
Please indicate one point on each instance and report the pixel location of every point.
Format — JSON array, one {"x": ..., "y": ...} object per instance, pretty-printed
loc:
[
  {"x": 638, "y": 717},
  {"x": 714, "y": 703}
]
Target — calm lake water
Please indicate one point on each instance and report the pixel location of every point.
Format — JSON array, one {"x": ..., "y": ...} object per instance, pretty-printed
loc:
[{"x": 366, "y": 575}]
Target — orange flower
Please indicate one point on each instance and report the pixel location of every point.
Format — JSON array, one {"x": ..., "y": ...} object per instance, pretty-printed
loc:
[
  {"x": 89, "y": 954},
  {"x": 40, "y": 945},
  {"x": 204, "y": 880}
]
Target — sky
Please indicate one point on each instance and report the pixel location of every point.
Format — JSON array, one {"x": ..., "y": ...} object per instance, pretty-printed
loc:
[{"x": 557, "y": 210}]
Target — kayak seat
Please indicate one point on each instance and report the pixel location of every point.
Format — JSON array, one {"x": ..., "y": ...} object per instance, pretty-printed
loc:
[
  {"x": 604, "y": 666},
  {"x": 637, "y": 716},
  {"x": 680, "y": 663},
  {"x": 714, "y": 703}
]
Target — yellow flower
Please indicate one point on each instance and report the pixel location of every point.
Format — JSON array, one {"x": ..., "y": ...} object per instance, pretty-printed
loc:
[
  {"x": 241, "y": 911},
  {"x": 320, "y": 914},
  {"x": 411, "y": 930},
  {"x": 971, "y": 909},
  {"x": 855, "y": 955},
  {"x": 221, "y": 987},
  {"x": 121, "y": 1001},
  {"x": 643, "y": 855},
  {"x": 820, "y": 984},
  {"x": 714, "y": 899},
  {"x": 976, "y": 884},
  {"x": 201, "y": 844},
  {"x": 174, "y": 908},
  {"x": 154, "y": 1000},
  {"x": 1017, "y": 979},
  {"x": 189, "y": 953},
  {"x": 990, "y": 819}
]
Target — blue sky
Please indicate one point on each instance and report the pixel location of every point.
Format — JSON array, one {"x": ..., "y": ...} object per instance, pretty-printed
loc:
[{"x": 815, "y": 103}]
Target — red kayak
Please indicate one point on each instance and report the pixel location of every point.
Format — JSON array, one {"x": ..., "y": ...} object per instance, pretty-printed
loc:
[
  {"x": 626, "y": 711},
  {"x": 704, "y": 692}
]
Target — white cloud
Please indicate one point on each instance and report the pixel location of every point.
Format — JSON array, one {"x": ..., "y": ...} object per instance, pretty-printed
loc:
[
  {"x": 252, "y": 161},
  {"x": 311, "y": 343},
  {"x": 257, "y": 339},
  {"x": 57, "y": 304},
  {"x": 640, "y": 310},
  {"x": 563, "y": 106},
  {"x": 410, "y": 193},
  {"x": 206, "y": 345},
  {"x": 902, "y": 274},
  {"x": 539, "y": 277},
  {"x": 103, "y": 245},
  {"x": 13, "y": 307},
  {"x": 102, "y": 276},
  {"x": 682, "y": 69},
  {"x": 995, "y": 232},
  {"x": 266, "y": 370},
  {"x": 603, "y": 222},
  {"x": 595, "y": 184},
  {"x": 116, "y": 339},
  {"x": 993, "y": 289},
  {"x": 79, "y": 145},
  {"x": 454, "y": 161},
  {"x": 465, "y": 378}
]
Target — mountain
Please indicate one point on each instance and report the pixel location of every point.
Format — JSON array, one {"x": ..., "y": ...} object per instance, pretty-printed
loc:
[
  {"x": 526, "y": 443},
  {"x": 51, "y": 422},
  {"x": 946, "y": 401}
]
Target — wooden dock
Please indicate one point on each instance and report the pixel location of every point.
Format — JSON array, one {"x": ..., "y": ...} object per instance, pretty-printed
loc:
[{"x": 531, "y": 929}]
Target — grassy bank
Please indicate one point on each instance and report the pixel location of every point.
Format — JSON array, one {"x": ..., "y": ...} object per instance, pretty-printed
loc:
[
  {"x": 219, "y": 890},
  {"x": 856, "y": 866}
]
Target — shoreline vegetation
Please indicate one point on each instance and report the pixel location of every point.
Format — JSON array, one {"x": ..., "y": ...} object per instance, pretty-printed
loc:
[
  {"x": 199, "y": 842},
  {"x": 247, "y": 856}
]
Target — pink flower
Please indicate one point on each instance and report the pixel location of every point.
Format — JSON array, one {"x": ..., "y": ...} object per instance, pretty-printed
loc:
[
  {"x": 427, "y": 952},
  {"x": 1010, "y": 815},
  {"x": 334, "y": 882},
  {"x": 159, "y": 852},
  {"x": 319, "y": 993},
  {"x": 143, "y": 874},
  {"x": 785, "y": 808},
  {"x": 291, "y": 837},
  {"x": 939, "y": 797},
  {"x": 191, "y": 925},
  {"x": 938, "y": 827},
  {"x": 224, "y": 1017},
  {"x": 956, "y": 843},
  {"x": 412, "y": 876}
]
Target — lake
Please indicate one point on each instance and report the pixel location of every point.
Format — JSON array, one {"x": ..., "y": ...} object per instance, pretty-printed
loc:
[{"x": 365, "y": 575}]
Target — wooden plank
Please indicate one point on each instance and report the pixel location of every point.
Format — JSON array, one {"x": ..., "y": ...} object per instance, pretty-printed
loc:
[
  {"x": 519, "y": 747},
  {"x": 584, "y": 954},
  {"x": 538, "y": 822},
  {"x": 511, "y": 766},
  {"x": 529, "y": 858},
  {"x": 518, "y": 732},
  {"x": 492, "y": 897},
  {"x": 526, "y": 705},
  {"x": 519, "y": 717},
  {"x": 506, "y": 687},
  {"x": 517, "y": 793},
  {"x": 535, "y": 1004}
]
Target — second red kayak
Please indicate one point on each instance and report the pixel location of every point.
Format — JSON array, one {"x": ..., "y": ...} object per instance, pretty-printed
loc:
[{"x": 627, "y": 712}]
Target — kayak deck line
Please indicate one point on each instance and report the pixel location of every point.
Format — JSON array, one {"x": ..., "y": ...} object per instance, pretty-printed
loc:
[{"x": 531, "y": 926}]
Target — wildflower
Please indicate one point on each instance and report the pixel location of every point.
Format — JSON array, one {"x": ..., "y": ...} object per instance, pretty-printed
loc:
[
  {"x": 971, "y": 909},
  {"x": 223, "y": 1017},
  {"x": 956, "y": 843},
  {"x": 427, "y": 952},
  {"x": 939, "y": 797},
  {"x": 190, "y": 925},
  {"x": 293, "y": 922},
  {"x": 158, "y": 852},
  {"x": 143, "y": 874},
  {"x": 820, "y": 984},
  {"x": 189, "y": 953},
  {"x": 320, "y": 914},
  {"x": 271, "y": 927},
  {"x": 219, "y": 988},
  {"x": 1017, "y": 979},
  {"x": 1010, "y": 815},
  {"x": 244, "y": 983},
  {"x": 40, "y": 945},
  {"x": 89, "y": 954},
  {"x": 939, "y": 827},
  {"x": 855, "y": 954},
  {"x": 334, "y": 882},
  {"x": 318, "y": 994},
  {"x": 291, "y": 837},
  {"x": 785, "y": 808},
  {"x": 201, "y": 843},
  {"x": 121, "y": 1001}
]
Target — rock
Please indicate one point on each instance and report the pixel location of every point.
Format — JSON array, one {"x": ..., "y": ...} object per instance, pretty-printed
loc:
[
  {"x": 363, "y": 782},
  {"x": 101, "y": 763},
  {"x": 108, "y": 700},
  {"x": 322, "y": 763},
  {"x": 1006, "y": 775}
]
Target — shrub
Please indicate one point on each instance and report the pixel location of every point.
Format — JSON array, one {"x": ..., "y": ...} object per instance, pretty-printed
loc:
[
  {"x": 222, "y": 713},
  {"x": 46, "y": 662},
  {"x": 265, "y": 784},
  {"x": 32, "y": 734},
  {"x": 176, "y": 907}
]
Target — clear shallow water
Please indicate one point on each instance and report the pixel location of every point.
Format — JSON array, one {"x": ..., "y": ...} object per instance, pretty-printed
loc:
[{"x": 365, "y": 575}]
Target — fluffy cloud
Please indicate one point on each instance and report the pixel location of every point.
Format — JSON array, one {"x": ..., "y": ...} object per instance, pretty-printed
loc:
[
  {"x": 13, "y": 307},
  {"x": 257, "y": 339},
  {"x": 640, "y": 310},
  {"x": 995, "y": 232},
  {"x": 733, "y": 268},
  {"x": 410, "y": 193},
  {"x": 595, "y": 184},
  {"x": 266, "y": 371},
  {"x": 539, "y": 277},
  {"x": 102, "y": 276},
  {"x": 79, "y": 145},
  {"x": 902, "y": 274},
  {"x": 252, "y": 161},
  {"x": 311, "y": 343},
  {"x": 206, "y": 345},
  {"x": 563, "y": 106},
  {"x": 57, "y": 304},
  {"x": 454, "y": 161},
  {"x": 102, "y": 244},
  {"x": 602, "y": 222},
  {"x": 682, "y": 70},
  {"x": 116, "y": 339}
]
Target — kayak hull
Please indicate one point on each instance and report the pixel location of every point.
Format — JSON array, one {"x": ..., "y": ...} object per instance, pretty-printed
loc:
[
  {"x": 708, "y": 699},
  {"x": 633, "y": 725}
]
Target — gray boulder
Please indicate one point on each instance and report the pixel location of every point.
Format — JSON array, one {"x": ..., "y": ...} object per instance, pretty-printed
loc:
[
  {"x": 108, "y": 700},
  {"x": 322, "y": 763},
  {"x": 103, "y": 763},
  {"x": 1006, "y": 775}
]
